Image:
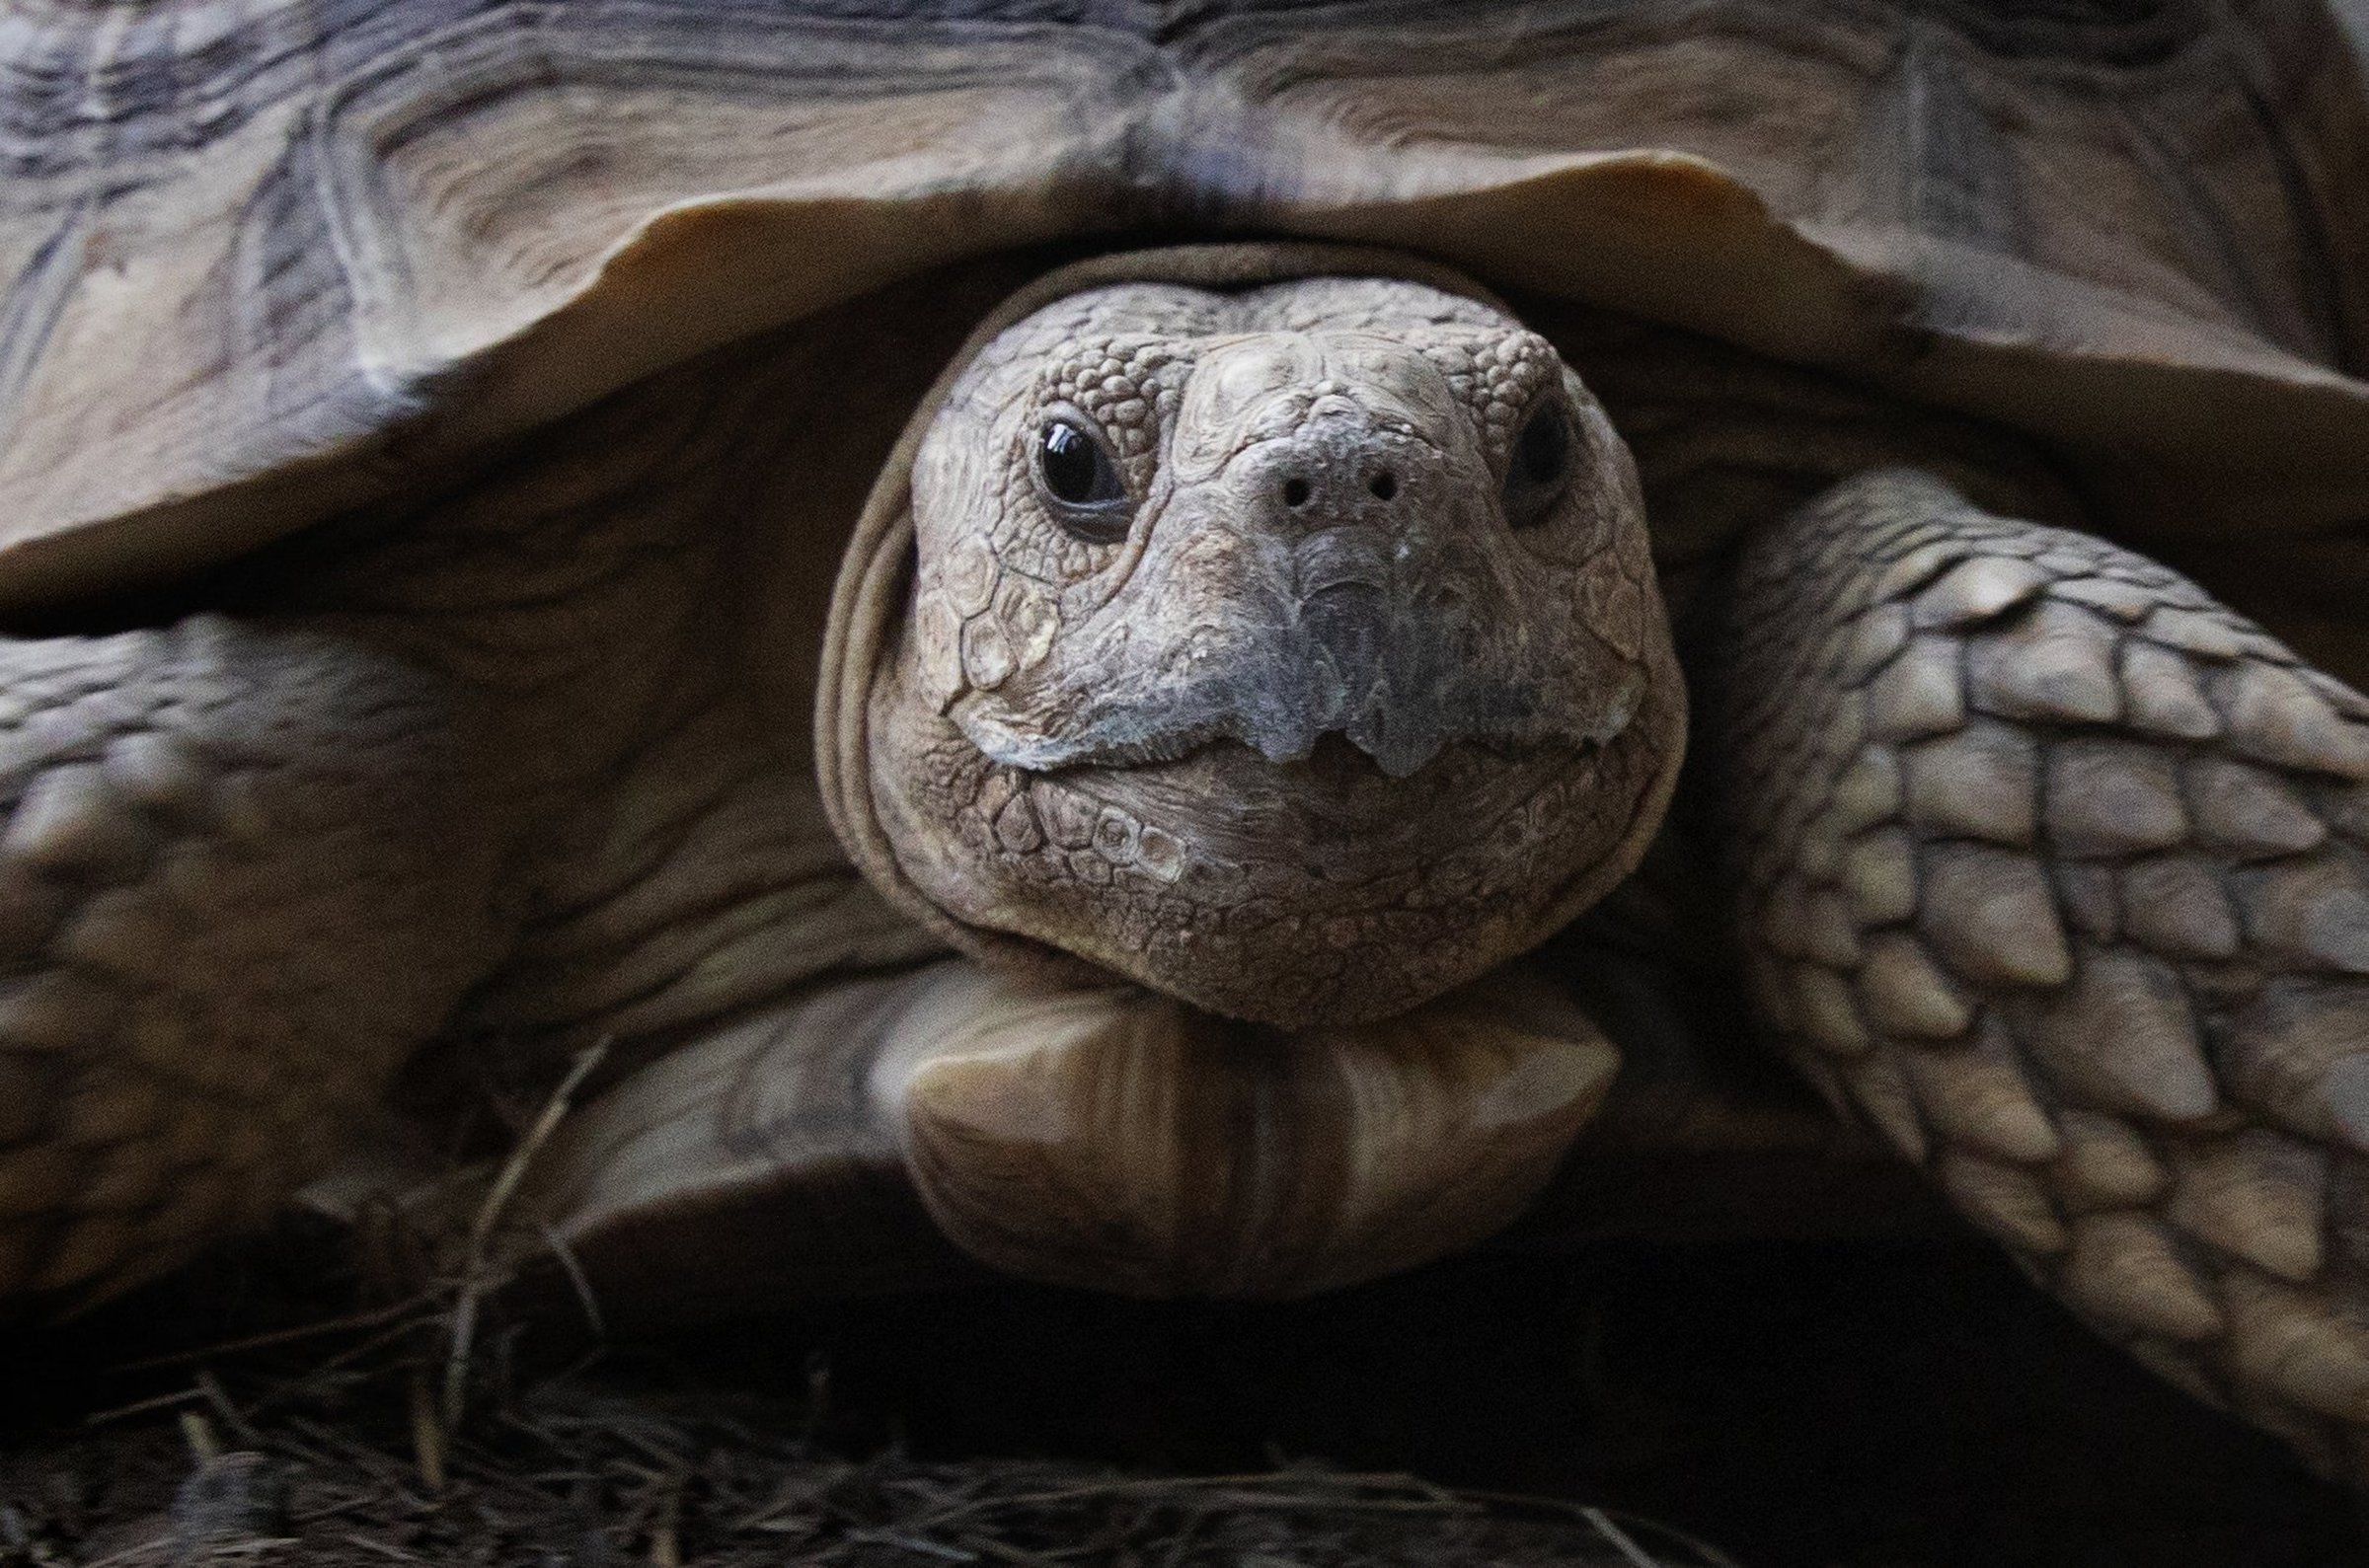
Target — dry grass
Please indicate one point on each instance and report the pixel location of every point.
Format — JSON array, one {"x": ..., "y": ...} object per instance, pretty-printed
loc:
[
  {"x": 331, "y": 1473},
  {"x": 1914, "y": 1409}
]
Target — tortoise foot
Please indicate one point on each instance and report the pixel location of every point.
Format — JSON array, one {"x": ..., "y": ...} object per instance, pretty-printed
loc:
[
  {"x": 243, "y": 870},
  {"x": 2057, "y": 872}
]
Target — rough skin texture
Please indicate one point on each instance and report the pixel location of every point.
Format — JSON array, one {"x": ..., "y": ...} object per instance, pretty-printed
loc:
[
  {"x": 2056, "y": 870},
  {"x": 500, "y": 761},
  {"x": 1346, "y": 706},
  {"x": 193, "y": 809}
]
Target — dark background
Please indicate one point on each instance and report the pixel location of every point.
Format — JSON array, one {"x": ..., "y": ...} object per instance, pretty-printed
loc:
[{"x": 1906, "y": 1402}]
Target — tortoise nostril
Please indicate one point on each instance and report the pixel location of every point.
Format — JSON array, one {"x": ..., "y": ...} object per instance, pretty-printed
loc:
[
  {"x": 1384, "y": 484},
  {"x": 1295, "y": 492}
]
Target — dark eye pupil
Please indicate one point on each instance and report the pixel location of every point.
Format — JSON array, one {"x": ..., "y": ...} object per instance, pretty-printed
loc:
[
  {"x": 1075, "y": 469},
  {"x": 1544, "y": 447}
]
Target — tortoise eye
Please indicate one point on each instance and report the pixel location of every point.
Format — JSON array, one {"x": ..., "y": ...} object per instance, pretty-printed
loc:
[
  {"x": 1081, "y": 482},
  {"x": 1541, "y": 462}
]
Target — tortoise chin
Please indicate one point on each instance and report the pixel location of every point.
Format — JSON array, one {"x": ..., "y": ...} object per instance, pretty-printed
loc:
[{"x": 1287, "y": 893}]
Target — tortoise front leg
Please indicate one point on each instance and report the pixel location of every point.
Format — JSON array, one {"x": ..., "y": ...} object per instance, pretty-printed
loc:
[
  {"x": 2054, "y": 867},
  {"x": 243, "y": 870}
]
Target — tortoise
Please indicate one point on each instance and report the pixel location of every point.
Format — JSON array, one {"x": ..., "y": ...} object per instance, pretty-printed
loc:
[{"x": 1071, "y": 631}]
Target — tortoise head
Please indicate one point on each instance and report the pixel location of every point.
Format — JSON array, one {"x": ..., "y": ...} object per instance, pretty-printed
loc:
[{"x": 1293, "y": 651}]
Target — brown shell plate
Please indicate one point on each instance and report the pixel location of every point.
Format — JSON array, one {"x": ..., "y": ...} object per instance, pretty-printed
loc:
[{"x": 260, "y": 259}]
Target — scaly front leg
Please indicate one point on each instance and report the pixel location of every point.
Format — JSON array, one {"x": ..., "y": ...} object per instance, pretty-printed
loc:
[
  {"x": 243, "y": 870},
  {"x": 2054, "y": 867}
]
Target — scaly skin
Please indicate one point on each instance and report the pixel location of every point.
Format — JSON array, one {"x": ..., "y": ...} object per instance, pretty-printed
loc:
[
  {"x": 223, "y": 924},
  {"x": 2058, "y": 871},
  {"x": 504, "y": 761}
]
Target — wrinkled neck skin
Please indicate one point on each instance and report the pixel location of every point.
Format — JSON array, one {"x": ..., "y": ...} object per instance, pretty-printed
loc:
[{"x": 1294, "y": 651}]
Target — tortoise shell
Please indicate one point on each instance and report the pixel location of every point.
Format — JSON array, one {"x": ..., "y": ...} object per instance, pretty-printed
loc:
[{"x": 263, "y": 260}]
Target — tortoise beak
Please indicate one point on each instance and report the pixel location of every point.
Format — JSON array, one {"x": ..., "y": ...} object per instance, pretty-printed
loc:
[{"x": 1403, "y": 640}]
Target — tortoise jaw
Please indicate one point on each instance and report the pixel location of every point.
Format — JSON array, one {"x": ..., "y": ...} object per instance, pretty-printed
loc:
[
  {"x": 1122, "y": 1142},
  {"x": 1318, "y": 890}
]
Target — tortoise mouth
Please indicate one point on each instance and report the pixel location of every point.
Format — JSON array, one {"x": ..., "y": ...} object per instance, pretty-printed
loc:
[
  {"x": 1287, "y": 893},
  {"x": 1286, "y": 707},
  {"x": 1334, "y": 819},
  {"x": 1335, "y": 764},
  {"x": 1337, "y": 786}
]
